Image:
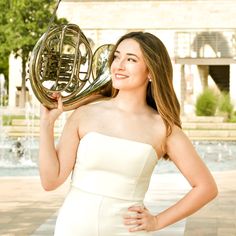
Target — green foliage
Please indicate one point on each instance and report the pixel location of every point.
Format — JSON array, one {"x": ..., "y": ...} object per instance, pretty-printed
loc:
[
  {"x": 4, "y": 47},
  {"x": 225, "y": 106},
  {"x": 233, "y": 117},
  {"x": 209, "y": 104},
  {"x": 4, "y": 100},
  {"x": 206, "y": 103},
  {"x": 7, "y": 119},
  {"x": 22, "y": 23},
  {"x": 27, "y": 20}
]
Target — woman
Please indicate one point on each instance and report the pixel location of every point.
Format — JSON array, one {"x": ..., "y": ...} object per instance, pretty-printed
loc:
[{"x": 113, "y": 145}]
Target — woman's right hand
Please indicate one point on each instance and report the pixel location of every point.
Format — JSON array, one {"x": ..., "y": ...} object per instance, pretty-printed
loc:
[{"x": 50, "y": 115}]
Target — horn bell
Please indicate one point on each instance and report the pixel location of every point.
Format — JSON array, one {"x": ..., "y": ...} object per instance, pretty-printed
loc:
[{"x": 62, "y": 61}]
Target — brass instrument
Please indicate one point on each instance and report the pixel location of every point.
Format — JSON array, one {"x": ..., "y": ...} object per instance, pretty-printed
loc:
[{"x": 62, "y": 61}]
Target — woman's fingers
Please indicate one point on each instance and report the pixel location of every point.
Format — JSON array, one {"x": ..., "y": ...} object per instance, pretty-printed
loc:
[
  {"x": 136, "y": 216},
  {"x": 140, "y": 219},
  {"x": 134, "y": 219},
  {"x": 137, "y": 209},
  {"x": 133, "y": 222},
  {"x": 59, "y": 102},
  {"x": 52, "y": 114},
  {"x": 55, "y": 95}
]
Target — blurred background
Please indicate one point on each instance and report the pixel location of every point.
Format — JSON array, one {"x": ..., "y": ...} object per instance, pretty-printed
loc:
[{"x": 200, "y": 36}]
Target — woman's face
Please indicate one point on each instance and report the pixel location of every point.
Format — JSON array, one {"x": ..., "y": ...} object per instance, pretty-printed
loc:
[{"x": 128, "y": 69}]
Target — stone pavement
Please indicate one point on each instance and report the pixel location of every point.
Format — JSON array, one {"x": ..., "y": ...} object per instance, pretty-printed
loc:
[
  {"x": 219, "y": 217},
  {"x": 24, "y": 205},
  {"x": 27, "y": 210}
]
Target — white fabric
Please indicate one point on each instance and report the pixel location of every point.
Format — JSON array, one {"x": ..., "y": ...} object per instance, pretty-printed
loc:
[{"x": 110, "y": 175}]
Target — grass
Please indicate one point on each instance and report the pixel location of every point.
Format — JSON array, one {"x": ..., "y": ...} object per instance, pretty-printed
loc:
[{"x": 7, "y": 119}]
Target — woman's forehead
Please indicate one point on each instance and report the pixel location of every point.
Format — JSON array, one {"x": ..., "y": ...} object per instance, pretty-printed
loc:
[{"x": 129, "y": 46}]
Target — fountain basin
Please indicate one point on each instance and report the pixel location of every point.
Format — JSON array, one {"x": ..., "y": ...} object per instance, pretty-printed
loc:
[{"x": 19, "y": 157}]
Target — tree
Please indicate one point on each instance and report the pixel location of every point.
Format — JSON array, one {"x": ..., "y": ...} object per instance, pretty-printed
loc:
[
  {"x": 27, "y": 20},
  {"x": 4, "y": 46}
]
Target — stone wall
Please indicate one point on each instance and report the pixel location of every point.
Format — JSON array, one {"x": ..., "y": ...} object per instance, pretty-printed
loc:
[
  {"x": 105, "y": 21},
  {"x": 204, "y": 14}
]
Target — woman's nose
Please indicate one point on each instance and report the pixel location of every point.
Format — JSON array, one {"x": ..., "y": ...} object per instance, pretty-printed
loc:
[{"x": 121, "y": 64}]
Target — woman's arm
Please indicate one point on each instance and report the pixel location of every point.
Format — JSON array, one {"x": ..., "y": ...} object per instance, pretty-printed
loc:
[
  {"x": 204, "y": 189},
  {"x": 55, "y": 164}
]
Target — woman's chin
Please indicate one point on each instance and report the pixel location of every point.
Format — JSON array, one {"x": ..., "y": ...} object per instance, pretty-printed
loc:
[
  {"x": 118, "y": 84},
  {"x": 120, "y": 87}
]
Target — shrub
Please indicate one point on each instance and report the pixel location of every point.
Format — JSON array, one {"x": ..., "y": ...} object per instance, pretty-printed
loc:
[
  {"x": 206, "y": 103},
  {"x": 7, "y": 119},
  {"x": 233, "y": 117},
  {"x": 225, "y": 106}
]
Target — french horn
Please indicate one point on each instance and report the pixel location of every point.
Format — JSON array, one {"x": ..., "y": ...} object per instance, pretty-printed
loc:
[{"x": 62, "y": 61}]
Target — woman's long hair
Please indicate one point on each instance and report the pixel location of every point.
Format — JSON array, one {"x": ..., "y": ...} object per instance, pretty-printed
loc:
[{"x": 160, "y": 91}]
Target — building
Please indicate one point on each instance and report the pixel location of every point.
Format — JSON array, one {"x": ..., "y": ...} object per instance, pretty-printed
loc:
[{"x": 200, "y": 36}]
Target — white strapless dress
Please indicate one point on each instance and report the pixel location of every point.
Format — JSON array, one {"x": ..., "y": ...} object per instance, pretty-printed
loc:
[{"x": 110, "y": 175}]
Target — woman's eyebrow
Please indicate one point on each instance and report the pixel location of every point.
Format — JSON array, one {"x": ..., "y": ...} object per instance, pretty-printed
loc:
[
  {"x": 132, "y": 54},
  {"x": 129, "y": 54}
]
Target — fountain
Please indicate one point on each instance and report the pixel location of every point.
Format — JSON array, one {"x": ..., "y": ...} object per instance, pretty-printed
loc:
[
  {"x": 3, "y": 91},
  {"x": 218, "y": 156},
  {"x": 18, "y": 149},
  {"x": 18, "y": 155}
]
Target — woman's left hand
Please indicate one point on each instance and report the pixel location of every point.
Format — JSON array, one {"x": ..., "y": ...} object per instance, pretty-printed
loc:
[{"x": 141, "y": 219}]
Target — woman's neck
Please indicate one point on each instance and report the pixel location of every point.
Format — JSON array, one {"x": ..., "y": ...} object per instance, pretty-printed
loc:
[{"x": 130, "y": 101}]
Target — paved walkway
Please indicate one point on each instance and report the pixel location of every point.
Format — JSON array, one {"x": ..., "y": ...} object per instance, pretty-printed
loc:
[
  {"x": 219, "y": 217},
  {"x": 27, "y": 210}
]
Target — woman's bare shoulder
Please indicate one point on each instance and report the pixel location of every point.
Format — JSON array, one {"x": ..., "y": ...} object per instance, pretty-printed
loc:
[
  {"x": 84, "y": 115},
  {"x": 177, "y": 139},
  {"x": 177, "y": 132},
  {"x": 88, "y": 108}
]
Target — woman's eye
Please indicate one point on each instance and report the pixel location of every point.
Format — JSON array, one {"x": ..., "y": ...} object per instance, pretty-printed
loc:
[{"x": 131, "y": 59}]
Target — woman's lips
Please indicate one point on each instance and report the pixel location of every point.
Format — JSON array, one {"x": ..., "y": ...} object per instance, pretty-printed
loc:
[{"x": 120, "y": 76}]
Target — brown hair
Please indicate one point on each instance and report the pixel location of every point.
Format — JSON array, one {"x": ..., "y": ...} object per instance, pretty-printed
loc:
[{"x": 160, "y": 92}]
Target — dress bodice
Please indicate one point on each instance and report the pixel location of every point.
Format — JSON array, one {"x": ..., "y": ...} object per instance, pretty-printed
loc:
[{"x": 112, "y": 166}]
